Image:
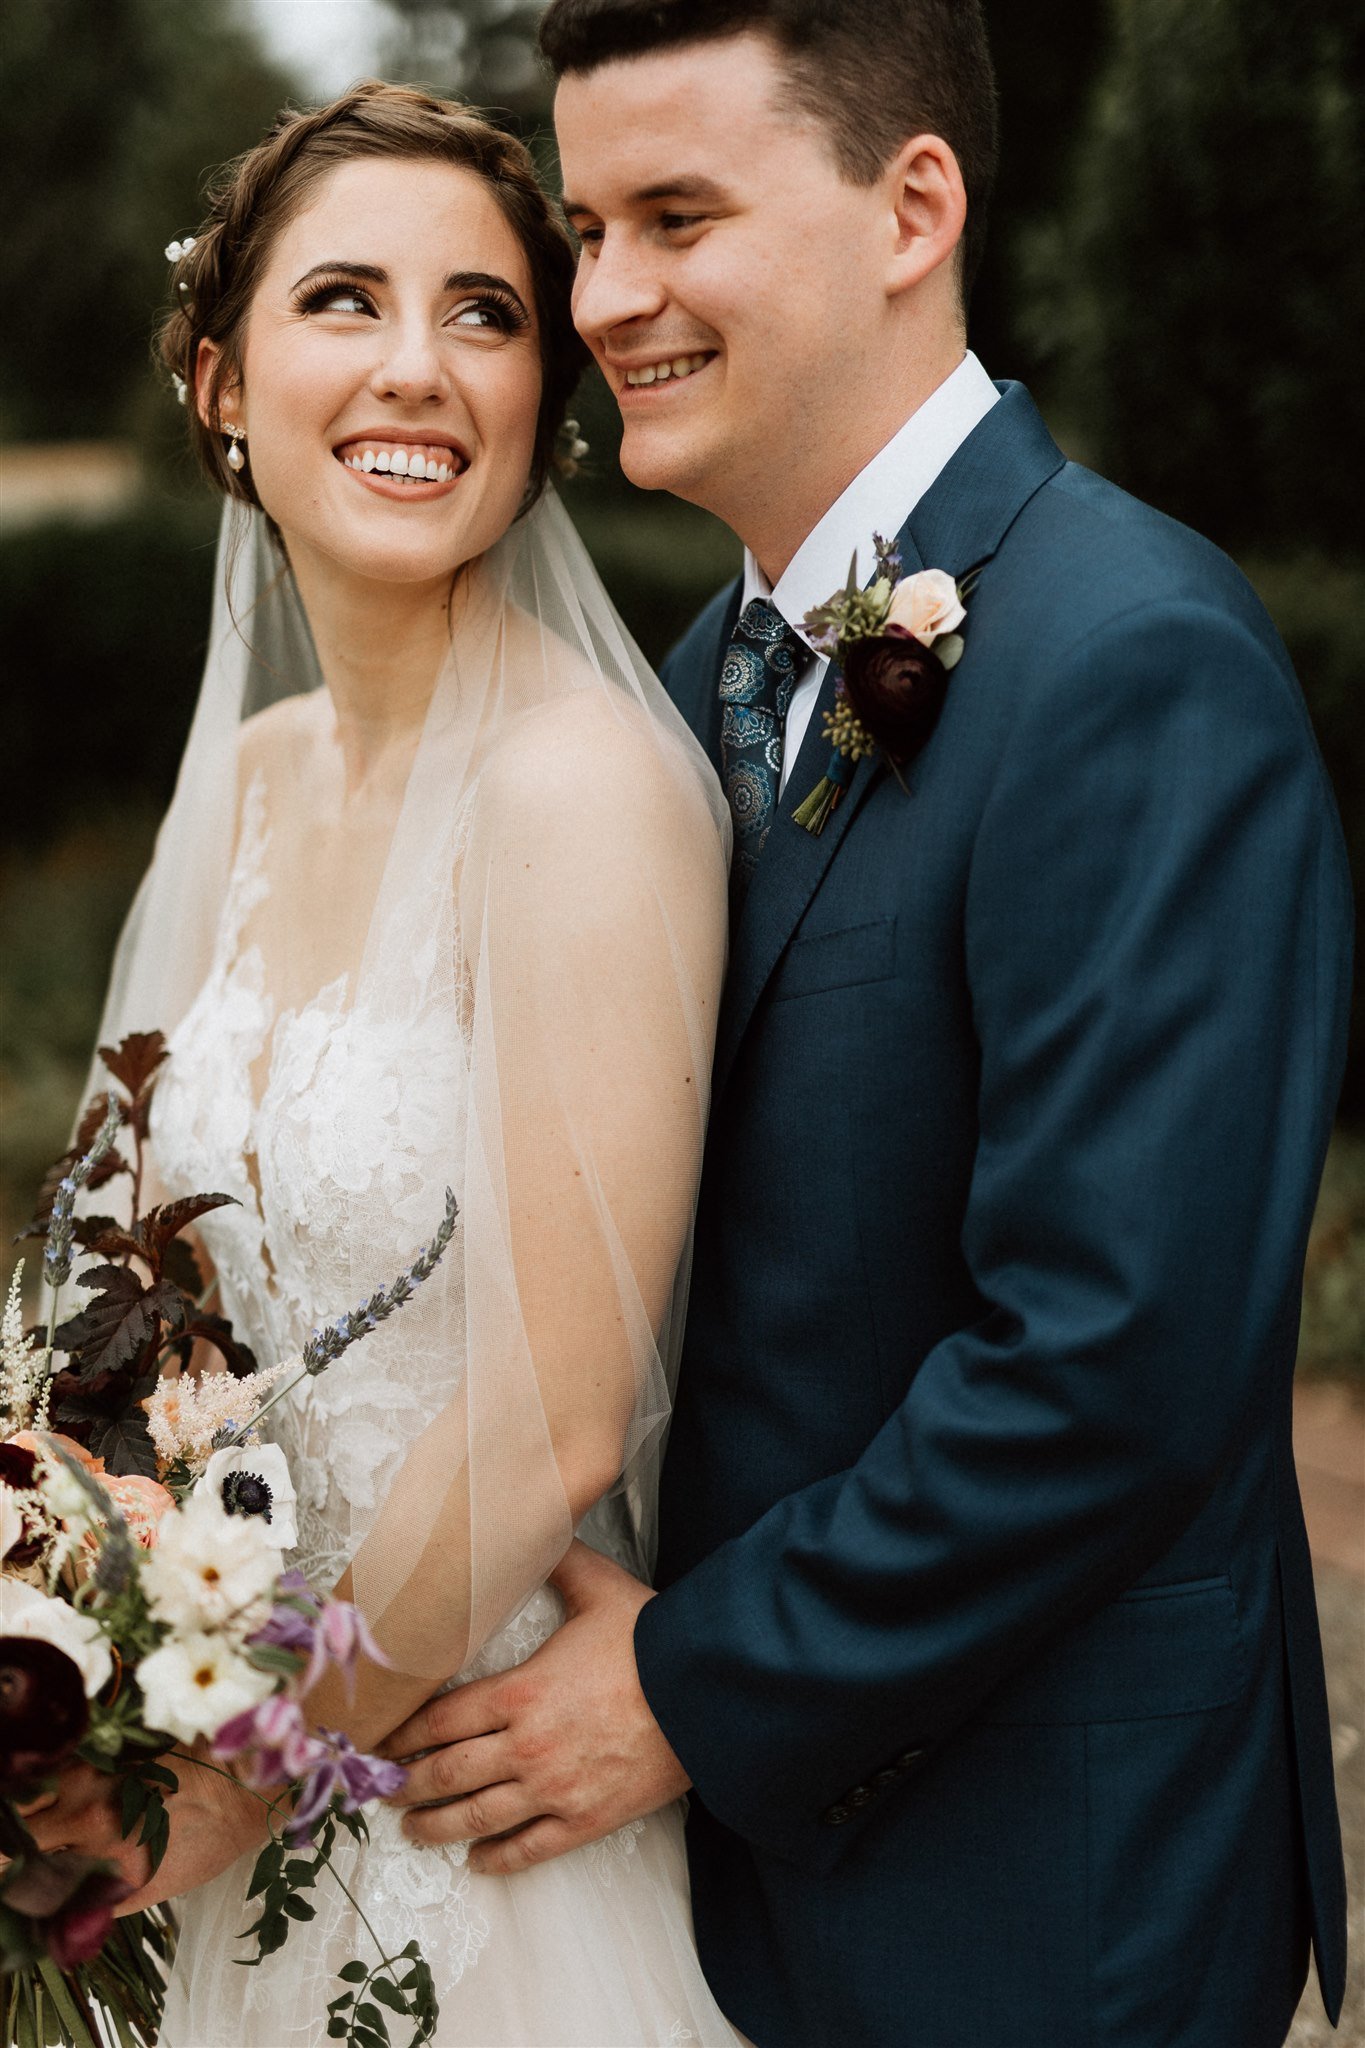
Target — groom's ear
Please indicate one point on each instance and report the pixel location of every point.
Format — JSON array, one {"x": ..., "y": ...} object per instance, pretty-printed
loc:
[{"x": 926, "y": 212}]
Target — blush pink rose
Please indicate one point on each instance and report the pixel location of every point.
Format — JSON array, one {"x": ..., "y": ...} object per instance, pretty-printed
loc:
[
  {"x": 141, "y": 1502},
  {"x": 926, "y": 605}
]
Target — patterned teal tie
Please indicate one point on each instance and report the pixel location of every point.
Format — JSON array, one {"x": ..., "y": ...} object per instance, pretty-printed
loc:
[{"x": 756, "y": 683}]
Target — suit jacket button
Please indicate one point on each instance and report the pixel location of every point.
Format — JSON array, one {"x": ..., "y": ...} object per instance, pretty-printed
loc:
[
  {"x": 835, "y": 1816},
  {"x": 908, "y": 1761}
]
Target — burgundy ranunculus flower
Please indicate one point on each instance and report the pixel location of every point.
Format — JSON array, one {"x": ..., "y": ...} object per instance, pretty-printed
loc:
[
  {"x": 43, "y": 1711},
  {"x": 897, "y": 687},
  {"x": 70, "y": 1897}
]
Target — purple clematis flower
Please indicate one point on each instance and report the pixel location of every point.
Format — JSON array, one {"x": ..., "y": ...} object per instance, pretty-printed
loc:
[
  {"x": 271, "y": 1740},
  {"x": 342, "y": 1634},
  {"x": 341, "y": 1771}
]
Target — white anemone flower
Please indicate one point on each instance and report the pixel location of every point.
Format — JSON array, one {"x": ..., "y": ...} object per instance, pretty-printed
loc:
[
  {"x": 253, "y": 1480},
  {"x": 193, "y": 1685},
  {"x": 25, "y": 1611},
  {"x": 211, "y": 1570}
]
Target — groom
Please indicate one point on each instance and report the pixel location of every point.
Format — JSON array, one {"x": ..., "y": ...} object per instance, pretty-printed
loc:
[{"x": 986, "y": 1638}]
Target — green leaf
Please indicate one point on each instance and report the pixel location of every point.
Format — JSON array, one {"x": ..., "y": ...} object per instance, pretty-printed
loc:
[
  {"x": 369, "y": 2015},
  {"x": 353, "y": 1973},
  {"x": 299, "y": 1909},
  {"x": 387, "y": 1992},
  {"x": 338, "y": 2028},
  {"x": 267, "y": 1868}
]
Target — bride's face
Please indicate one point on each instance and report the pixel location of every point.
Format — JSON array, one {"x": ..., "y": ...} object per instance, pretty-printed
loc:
[{"x": 391, "y": 373}]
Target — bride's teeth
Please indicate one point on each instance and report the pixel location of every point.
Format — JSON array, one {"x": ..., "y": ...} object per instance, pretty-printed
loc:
[
  {"x": 398, "y": 462},
  {"x": 443, "y": 472},
  {"x": 368, "y": 459},
  {"x": 381, "y": 461},
  {"x": 417, "y": 465}
]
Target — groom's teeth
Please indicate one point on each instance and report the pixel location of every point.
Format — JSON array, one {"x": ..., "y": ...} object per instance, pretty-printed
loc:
[{"x": 659, "y": 373}]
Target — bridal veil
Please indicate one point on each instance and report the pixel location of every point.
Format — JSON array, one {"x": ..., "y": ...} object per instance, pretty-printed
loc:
[{"x": 541, "y": 920}]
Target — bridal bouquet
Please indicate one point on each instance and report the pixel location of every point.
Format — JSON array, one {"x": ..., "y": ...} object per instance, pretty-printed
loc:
[{"x": 145, "y": 1603}]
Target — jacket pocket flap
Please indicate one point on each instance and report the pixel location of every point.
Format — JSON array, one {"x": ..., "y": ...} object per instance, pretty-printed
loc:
[
  {"x": 839, "y": 959},
  {"x": 1158, "y": 1650}
]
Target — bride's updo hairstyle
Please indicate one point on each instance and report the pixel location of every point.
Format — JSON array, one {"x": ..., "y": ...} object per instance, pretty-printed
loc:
[{"x": 256, "y": 195}]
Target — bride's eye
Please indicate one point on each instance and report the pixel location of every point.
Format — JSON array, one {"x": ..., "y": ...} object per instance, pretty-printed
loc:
[
  {"x": 492, "y": 314},
  {"x": 335, "y": 297}
]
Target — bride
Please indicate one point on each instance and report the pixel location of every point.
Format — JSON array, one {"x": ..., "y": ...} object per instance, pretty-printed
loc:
[{"x": 440, "y": 900}]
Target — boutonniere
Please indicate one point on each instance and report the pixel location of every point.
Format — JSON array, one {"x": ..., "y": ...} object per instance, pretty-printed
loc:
[{"x": 894, "y": 644}]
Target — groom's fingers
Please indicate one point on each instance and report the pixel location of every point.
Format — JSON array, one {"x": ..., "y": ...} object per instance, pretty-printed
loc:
[
  {"x": 455, "y": 1772},
  {"x": 541, "y": 1842},
  {"x": 490, "y": 1811},
  {"x": 458, "y": 1716}
]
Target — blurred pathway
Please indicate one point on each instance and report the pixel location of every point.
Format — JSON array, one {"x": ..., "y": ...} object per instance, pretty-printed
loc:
[{"x": 1329, "y": 1445}]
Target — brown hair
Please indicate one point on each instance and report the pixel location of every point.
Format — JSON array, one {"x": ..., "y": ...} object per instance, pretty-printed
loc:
[
  {"x": 874, "y": 72},
  {"x": 256, "y": 195}
]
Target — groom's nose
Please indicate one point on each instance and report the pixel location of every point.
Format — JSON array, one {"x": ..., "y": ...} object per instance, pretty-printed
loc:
[{"x": 620, "y": 283}]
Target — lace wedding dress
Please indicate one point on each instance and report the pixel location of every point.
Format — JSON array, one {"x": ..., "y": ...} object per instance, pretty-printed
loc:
[{"x": 335, "y": 1068}]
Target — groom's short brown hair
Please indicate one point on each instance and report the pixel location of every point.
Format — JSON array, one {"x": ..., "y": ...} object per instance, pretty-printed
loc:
[{"x": 873, "y": 71}]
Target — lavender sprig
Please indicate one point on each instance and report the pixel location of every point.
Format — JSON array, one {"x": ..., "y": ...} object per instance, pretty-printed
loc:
[
  {"x": 57, "y": 1253},
  {"x": 326, "y": 1345}
]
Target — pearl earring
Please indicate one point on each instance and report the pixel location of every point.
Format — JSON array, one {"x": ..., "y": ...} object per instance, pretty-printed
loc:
[{"x": 236, "y": 461}]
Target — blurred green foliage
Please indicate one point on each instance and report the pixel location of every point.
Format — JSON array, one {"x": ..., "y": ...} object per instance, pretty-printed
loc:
[
  {"x": 113, "y": 112},
  {"x": 1198, "y": 298}
]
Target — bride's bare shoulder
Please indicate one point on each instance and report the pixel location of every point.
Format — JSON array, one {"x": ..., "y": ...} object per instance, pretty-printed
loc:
[{"x": 275, "y": 741}]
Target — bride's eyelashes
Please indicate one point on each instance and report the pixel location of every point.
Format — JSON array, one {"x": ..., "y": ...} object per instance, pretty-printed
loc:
[{"x": 491, "y": 308}]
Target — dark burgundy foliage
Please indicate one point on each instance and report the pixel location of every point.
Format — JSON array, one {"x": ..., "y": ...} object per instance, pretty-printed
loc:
[
  {"x": 43, "y": 1712},
  {"x": 144, "y": 1299},
  {"x": 897, "y": 688}
]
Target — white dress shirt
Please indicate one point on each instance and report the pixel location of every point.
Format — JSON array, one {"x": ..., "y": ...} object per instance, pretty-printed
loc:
[{"x": 879, "y": 500}]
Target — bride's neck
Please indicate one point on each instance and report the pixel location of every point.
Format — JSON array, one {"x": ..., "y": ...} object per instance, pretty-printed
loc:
[{"x": 381, "y": 647}]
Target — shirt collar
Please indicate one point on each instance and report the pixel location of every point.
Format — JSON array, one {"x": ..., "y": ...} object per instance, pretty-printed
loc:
[{"x": 880, "y": 498}]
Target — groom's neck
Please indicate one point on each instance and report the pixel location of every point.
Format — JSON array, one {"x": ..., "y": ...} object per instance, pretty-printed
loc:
[{"x": 782, "y": 507}]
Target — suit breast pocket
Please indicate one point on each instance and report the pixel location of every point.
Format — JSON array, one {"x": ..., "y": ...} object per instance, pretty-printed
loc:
[{"x": 846, "y": 958}]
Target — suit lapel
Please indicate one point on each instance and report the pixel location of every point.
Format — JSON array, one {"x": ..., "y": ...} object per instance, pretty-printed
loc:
[{"x": 959, "y": 523}]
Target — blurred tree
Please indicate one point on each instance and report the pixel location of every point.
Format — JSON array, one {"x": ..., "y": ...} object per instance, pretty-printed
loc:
[
  {"x": 1045, "y": 83},
  {"x": 482, "y": 50},
  {"x": 112, "y": 115},
  {"x": 1201, "y": 297}
]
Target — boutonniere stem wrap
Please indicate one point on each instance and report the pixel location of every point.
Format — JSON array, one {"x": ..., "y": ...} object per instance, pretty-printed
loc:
[{"x": 894, "y": 644}]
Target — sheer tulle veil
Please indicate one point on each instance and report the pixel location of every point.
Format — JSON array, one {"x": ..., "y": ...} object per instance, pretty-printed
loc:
[{"x": 542, "y": 918}]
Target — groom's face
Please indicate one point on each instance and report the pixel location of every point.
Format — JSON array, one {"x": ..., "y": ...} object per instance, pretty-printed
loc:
[{"x": 731, "y": 282}]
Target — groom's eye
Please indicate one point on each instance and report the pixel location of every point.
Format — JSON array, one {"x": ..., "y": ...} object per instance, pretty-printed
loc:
[{"x": 679, "y": 222}]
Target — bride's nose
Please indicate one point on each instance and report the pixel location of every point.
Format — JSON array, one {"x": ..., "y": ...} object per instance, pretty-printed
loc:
[{"x": 412, "y": 367}]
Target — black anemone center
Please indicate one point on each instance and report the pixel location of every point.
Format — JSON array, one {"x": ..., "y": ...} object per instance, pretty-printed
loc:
[{"x": 246, "y": 1493}]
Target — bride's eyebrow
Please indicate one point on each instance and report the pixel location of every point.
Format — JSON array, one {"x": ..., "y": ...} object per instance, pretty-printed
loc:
[{"x": 458, "y": 280}]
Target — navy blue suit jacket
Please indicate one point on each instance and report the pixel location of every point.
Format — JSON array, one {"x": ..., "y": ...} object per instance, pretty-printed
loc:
[{"x": 987, "y": 1630}]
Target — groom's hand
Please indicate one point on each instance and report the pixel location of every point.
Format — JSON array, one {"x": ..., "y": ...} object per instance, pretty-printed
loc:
[{"x": 558, "y": 1751}]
